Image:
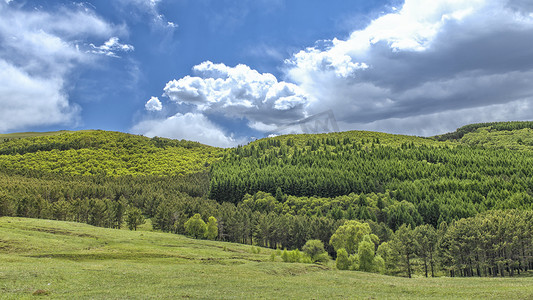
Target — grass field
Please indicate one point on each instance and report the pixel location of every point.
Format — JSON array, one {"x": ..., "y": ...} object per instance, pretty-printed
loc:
[{"x": 77, "y": 261}]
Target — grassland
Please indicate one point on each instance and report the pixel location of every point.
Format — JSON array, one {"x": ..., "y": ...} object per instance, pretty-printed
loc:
[{"x": 77, "y": 261}]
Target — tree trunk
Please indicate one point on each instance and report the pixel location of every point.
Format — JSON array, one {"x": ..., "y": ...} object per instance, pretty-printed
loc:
[
  {"x": 408, "y": 265},
  {"x": 426, "y": 267}
]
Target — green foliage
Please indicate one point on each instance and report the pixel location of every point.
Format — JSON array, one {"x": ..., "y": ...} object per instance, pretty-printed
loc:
[
  {"x": 426, "y": 246},
  {"x": 85, "y": 262},
  {"x": 285, "y": 255},
  {"x": 493, "y": 126},
  {"x": 400, "y": 180},
  {"x": 212, "y": 228},
  {"x": 134, "y": 218},
  {"x": 315, "y": 250},
  {"x": 196, "y": 227},
  {"x": 349, "y": 235},
  {"x": 342, "y": 262},
  {"x": 489, "y": 244},
  {"x": 105, "y": 153},
  {"x": 378, "y": 264},
  {"x": 365, "y": 253},
  {"x": 403, "y": 245}
]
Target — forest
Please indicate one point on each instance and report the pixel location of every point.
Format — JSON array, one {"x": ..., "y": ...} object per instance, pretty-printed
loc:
[{"x": 459, "y": 204}]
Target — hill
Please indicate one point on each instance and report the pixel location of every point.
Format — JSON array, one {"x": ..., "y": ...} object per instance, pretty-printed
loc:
[
  {"x": 287, "y": 190},
  {"x": 443, "y": 180},
  {"x": 491, "y": 126},
  {"x": 4, "y": 137},
  {"x": 62, "y": 260},
  {"x": 104, "y": 153}
]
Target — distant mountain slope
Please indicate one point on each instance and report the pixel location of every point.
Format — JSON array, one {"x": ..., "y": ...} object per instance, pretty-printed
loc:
[
  {"x": 104, "y": 153},
  {"x": 4, "y": 137},
  {"x": 443, "y": 180},
  {"x": 492, "y": 126}
]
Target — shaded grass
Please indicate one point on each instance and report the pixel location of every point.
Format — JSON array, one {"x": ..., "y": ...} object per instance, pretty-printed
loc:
[{"x": 76, "y": 261}]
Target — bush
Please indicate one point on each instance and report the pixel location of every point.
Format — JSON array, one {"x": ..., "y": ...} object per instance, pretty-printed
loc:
[
  {"x": 342, "y": 262},
  {"x": 212, "y": 228},
  {"x": 273, "y": 256},
  {"x": 196, "y": 227},
  {"x": 315, "y": 250}
]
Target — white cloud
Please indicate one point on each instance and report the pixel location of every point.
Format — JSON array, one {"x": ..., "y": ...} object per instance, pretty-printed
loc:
[
  {"x": 422, "y": 62},
  {"x": 38, "y": 51},
  {"x": 153, "y": 104},
  {"x": 239, "y": 92},
  {"x": 111, "y": 47},
  {"x": 441, "y": 122},
  {"x": 31, "y": 101},
  {"x": 149, "y": 8},
  {"x": 189, "y": 126}
]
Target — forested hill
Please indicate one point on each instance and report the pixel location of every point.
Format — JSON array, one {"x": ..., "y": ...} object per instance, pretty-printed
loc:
[
  {"x": 490, "y": 127},
  {"x": 286, "y": 190},
  {"x": 432, "y": 181},
  {"x": 103, "y": 153}
]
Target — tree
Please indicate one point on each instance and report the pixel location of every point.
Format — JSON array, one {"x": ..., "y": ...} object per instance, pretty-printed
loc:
[
  {"x": 212, "y": 228},
  {"x": 385, "y": 253},
  {"x": 134, "y": 218},
  {"x": 342, "y": 262},
  {"x": 349, "y": 235},
  {"x": 196, "y": 227},
  {"x": 365, "y": 253},
  {"x": 426, "y": 243},
  {"x": 403, "y": 243},
  {"x": 315, "y": 250}
]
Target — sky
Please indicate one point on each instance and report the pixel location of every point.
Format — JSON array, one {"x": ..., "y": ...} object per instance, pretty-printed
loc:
[{"x": 225, "y": 72}]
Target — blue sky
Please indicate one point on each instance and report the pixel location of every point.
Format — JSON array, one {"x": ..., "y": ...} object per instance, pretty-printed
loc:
[{"x": 226, "y": 71}]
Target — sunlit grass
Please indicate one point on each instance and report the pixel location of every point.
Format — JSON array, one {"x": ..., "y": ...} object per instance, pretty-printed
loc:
[{"x": 77, "y": 261}]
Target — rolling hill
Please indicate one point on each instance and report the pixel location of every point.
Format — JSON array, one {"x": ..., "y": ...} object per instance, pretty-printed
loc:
[{"x": 283, "y": 191}]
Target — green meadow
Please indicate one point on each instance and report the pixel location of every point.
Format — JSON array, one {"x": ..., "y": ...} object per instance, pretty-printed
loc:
[{"x": 64, "y": 260}]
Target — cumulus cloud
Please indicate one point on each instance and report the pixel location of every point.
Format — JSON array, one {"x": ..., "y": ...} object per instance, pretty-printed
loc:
[
  {"x": 235, "y": 92},
  {"x": 425, "y": 68},
  {"x": 189, "y": 126},
  {"x": 153, "y": 104},
  {"x": 426, "y": 61},
  {"x": 31, "y": 101},
  {"x": 38, "y": 50},
  {"x": 239, "y": 92},
  {"x": 111, "y": 47}
]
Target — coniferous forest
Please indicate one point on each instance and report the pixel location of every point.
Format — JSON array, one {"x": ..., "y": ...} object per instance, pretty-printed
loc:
[{"x": 458, "y": 204}]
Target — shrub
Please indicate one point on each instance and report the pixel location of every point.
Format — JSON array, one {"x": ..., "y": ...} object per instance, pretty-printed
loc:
[
  {"x": 315, "y": 249},
  {"x": 196, "y": 227},
  {"x": 342, "y": 262}
]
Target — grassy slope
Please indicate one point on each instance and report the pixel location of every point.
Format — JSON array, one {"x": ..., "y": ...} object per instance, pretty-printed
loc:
[{"x": 76, "y": 261}]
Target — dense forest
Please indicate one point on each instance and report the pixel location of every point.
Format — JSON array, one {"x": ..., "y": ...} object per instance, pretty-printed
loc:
[{"x": 459, "y": 204}]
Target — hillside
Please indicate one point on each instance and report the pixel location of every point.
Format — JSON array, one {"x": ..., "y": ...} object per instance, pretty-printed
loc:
[
  {"x": 104, "y": 153},
  {"x": 284, "y": 191},
  {"x": 63, "y": 260},
  {"x": 445, "y": 181},
  {"x": 491, "y": 126},
  {"x": 4, "y": 137}
]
